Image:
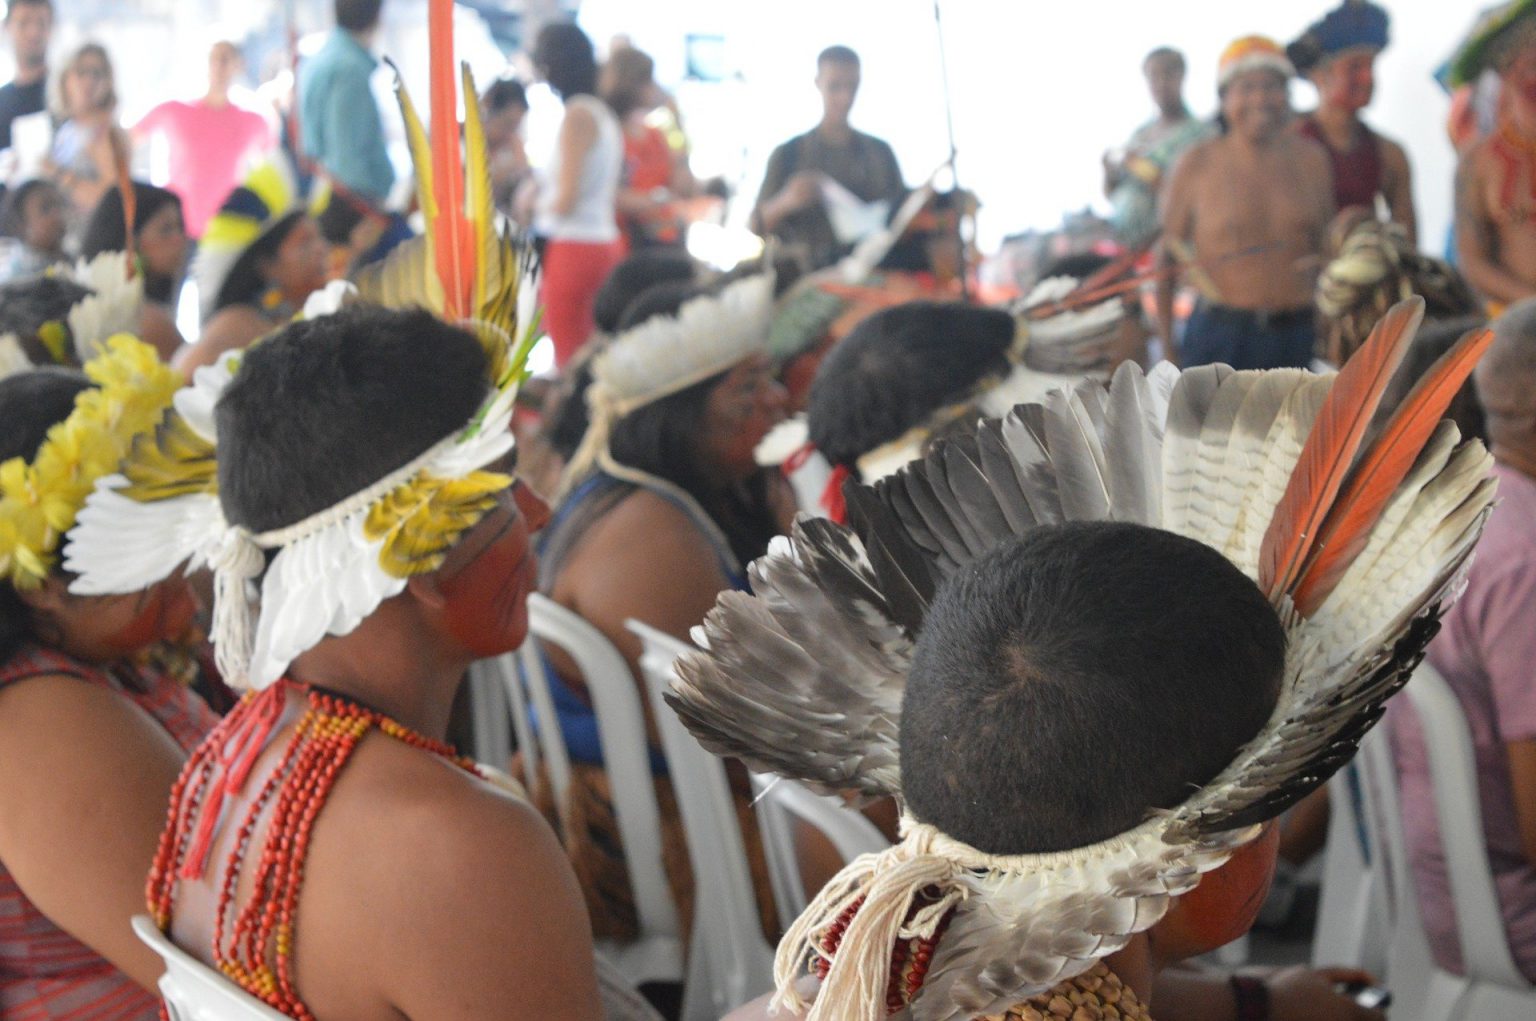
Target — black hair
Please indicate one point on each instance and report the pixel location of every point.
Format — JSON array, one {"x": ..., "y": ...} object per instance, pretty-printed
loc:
[
  {"x": 565, "y": 56},
  {"x": 843, "y": 55},
  {"x": 31, "y": 403},
  {"x": 329, "y": 406},
  {"x": 502, "y": 93},
  {"x": 246, "y": 282},
  {"x": 633, "y": 277},
  {"x": 104, "y": 231},
  {"x": 898, "y": 367},
  {"x": 1164, "y": 53},
  {"x": 358, "y": 15},
  {"x": 1071, "y": 682},
  {"x": 13, "y": 210},
  {"x": 29, "y": 303}
]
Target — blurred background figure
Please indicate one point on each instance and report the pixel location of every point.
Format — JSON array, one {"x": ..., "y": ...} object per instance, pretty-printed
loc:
[
  {"x": 209, "y": 142},
  {"x": 84, "y": 102},
  {"x": 29, "y": 26},
  {"x": 656, "y": 175},
  {"x": 33, "y": 219},
  {"x": 503, "y": 108}
]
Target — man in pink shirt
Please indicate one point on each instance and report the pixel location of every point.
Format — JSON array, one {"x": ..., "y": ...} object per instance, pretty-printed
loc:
[
  {"x": 1487, "y": 653},
  {"x": 211, "y": 141}
]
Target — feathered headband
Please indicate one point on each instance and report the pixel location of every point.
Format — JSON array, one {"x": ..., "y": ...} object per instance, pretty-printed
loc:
[
  {"x": 266, "y": 196},
  {"x": 1373, "y": 267},
  {"x": 112, "y": 307},
  {"x": 667, "y": 354},
  {"x": 1356, "y": 550},
  {"x": 332, "y": 569},
  {"x": 40, "y": 502}
]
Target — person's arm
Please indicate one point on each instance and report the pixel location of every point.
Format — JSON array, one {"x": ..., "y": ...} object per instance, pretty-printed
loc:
[
  {"x": 228, "y": 330},
  {"x": 578, "y": 134},
  {"x": 1506, "y": 645},
  {"x": 485, "y": 921},
  {"x": 1177, "y": 218},
  {"x": 1397, "y": 183},
  {"x": 158, "y": 330},
  {"x": 1474, "y": 237},
  {"x": 783, "y": 193},
  {"x": 84, "y": 769},
  {"x": 1295, "y": 994},
  {"x": 895, "y": 185}
]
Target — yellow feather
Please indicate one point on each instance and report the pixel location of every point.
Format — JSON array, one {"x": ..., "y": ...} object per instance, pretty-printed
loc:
[
  {"x": 420, "y": 521},
  {"x": 171, "y": 461},
  {"x": 479, "y": 202}
]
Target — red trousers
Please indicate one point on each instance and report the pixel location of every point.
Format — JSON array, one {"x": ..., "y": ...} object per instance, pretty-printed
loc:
[{"x": 573, "y": 272}]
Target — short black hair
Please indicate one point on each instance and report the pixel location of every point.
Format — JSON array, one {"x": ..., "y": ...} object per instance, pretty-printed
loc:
[
  {"x": 898, "y": 367},
  {"x": 633, "y": 277},
  {"x": 358, "y": 15},
  {"x": 329, "y": 406},
  {"x": 1073, "y": 681},
  {"x": 26, "y": 3},
  {"x": 31, "y": 403},
  {"x": 29, "y": 303},
  {"x": 1165, "y": 53},
  {"x": 503, "y": 93},
  {"x": 13, "y": 210},
  {"x": 843, "y": 55},
  {"x": 565, "y": 56},
  {"x": 245, "y": 282}
]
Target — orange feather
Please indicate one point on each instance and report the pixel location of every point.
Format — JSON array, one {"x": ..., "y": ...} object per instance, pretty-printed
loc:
[
  {"x": 1382, "y": 469},
  {"x": 1330, "y": 449},
  {"x": 451, "y": 231}
]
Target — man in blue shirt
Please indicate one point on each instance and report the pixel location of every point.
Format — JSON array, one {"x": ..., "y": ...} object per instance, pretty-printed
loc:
[{"x": 338, "y": 117}]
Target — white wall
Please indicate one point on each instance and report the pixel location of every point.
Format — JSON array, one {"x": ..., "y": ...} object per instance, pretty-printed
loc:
[{"x": 1040, "y": 87}]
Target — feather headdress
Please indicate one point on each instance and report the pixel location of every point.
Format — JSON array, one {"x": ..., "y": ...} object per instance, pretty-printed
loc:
[
  {"x": 666, "y": 354},
  {"x": 112, "y": 307},
  {"x": 333, "y": 569},
  {"x": 1356, "y": 544}
]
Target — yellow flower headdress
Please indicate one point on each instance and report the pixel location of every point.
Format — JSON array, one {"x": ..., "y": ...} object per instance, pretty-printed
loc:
[
  {"x": 39, "y": 501},
  {"x": 331, "y": 570}
]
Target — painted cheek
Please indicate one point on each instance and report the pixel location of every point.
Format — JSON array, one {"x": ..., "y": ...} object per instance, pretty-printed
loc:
[
  {"x": 161, "y": 614},
  {"x": 486, "y": 604},
  {"x": 1226, "y": 902}
]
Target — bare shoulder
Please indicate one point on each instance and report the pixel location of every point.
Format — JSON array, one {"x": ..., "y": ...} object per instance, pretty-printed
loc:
[
  {"x": 645, "y": 527},
  {"x": 1308, "y": 150},
  {"x": 54, "y": 710},
  {"x": 1199, "y": 156},
  {"x": 230, "y": 329}
]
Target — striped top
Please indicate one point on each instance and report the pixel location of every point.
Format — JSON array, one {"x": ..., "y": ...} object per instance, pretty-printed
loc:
[{"x": 46, "y": 974}]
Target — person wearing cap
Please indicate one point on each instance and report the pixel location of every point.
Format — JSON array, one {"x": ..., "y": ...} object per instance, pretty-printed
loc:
[
  {"x": 1338, "y": 55},
  {"x": 1496, "y": 179},
  {"x": 261, "y": 256},
  {"x": 1246, "y": 217}
]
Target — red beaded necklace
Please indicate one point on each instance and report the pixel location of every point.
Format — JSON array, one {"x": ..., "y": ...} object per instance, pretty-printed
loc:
[{"x": 253, "y": 943}]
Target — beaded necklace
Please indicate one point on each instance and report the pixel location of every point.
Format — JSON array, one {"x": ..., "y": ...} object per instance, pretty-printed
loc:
[
  {"x": 1097, "y": 994},
  {"x": 253, "y": 943}
]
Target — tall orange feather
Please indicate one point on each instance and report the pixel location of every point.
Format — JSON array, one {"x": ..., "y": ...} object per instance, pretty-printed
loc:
[
  {"x": 1382, "y": 469},
  {"x": 1330, "y": 449},
  {"x": 451, "y": 232},
  {"x": 130, "y": 198}
]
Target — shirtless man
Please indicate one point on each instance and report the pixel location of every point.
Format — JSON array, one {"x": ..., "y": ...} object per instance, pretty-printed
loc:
[
  {"x": 1246, "y": 214},
  {"x": 1496, "y": 181}
]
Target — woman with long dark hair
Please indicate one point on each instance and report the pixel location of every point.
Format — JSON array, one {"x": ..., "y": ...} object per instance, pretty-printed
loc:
[
  {"x": 94, "y": 722},
  {"x": 575, "y": 214},
  {"x": 664, "y": 506},
  {"x": 160, "y": 243}
]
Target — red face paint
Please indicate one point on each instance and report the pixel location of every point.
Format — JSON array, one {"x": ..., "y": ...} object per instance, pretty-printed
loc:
[
  {"x": 486, "y": 601},
  {"x": 159, "y": 613},
  {"x": 1223, "y": 906}
]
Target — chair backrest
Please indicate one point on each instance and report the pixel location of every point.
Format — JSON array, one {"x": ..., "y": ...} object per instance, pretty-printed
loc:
[
  {"x": 780, "y": 803},
  {"x": 1352, "y": 924},
  {"x": 729, "y": 958},
  {"x": 621, "y": 734},
  {"x": 195, "y": 992},
  {"x": 1458, "y": 809}
]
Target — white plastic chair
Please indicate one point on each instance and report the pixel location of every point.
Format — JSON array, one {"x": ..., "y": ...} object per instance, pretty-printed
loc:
[
  {"x": 657, "y": 954},
  {"x": 1492, "y": 988},
  {"x": 729, "y": 960},
  {"x": 195, "y": 992},
  {"x": 780, "y": 802},
  {"x": 1352, "y": 914}
]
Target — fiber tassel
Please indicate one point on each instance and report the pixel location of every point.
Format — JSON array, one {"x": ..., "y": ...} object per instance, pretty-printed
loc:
[{"x": 238, "y": 561}]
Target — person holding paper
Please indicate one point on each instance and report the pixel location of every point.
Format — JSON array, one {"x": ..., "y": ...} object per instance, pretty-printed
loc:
[{"x": 822, "y": 187}]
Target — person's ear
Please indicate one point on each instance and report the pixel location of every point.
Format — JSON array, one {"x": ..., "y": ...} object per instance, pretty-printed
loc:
[
  {"x": 48, "y": 598},
  {"x": 426, "y": 590}
]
